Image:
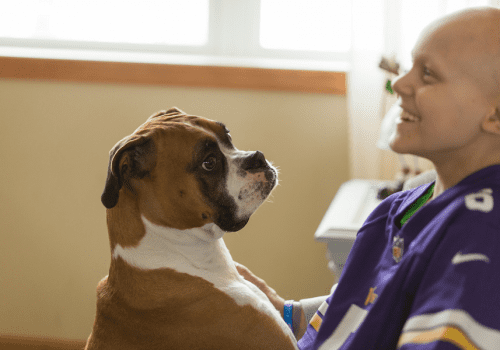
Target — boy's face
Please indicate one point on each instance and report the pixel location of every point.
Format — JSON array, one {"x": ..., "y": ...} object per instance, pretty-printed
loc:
[{"x": 448, "y": 91}]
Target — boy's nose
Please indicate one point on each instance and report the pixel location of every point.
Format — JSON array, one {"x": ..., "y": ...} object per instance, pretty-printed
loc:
[{"x": 402, "y": 85}]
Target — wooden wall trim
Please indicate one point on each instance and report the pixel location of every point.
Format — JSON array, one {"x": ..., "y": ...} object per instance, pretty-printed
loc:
[
  {"x": 27, "y": 343},
  {"x": 174, "y": 75}
]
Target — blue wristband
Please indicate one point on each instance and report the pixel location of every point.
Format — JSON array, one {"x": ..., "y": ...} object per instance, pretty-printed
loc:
[{"x": 288, "y": 313}]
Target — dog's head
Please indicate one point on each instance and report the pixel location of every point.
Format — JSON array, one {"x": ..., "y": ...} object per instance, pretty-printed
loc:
[{"x": 183, "y": 171}]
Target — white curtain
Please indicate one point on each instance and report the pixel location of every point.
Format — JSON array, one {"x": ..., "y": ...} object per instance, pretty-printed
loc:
[{"x": 389, "y": 28}]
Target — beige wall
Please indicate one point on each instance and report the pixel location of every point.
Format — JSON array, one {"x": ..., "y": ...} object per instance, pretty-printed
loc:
[{"x": 54, "y": 143}]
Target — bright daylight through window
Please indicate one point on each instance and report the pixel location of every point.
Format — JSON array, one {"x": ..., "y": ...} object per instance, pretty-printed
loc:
[
  {"x": 313, "y": 25},
  {"x": 165, "y": 22},
  {"x": 314, "y": 30}
]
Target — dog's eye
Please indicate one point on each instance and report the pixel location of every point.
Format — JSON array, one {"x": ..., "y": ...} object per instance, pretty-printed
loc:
[{"x": 209, "y": 163}]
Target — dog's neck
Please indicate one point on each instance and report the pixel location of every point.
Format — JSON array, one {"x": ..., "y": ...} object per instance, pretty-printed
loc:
[
  {"x": 198, "y": 251},
  {"x": 146, "y": 273}
]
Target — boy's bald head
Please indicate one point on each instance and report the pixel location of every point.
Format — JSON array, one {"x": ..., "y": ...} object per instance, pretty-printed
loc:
[{"x": 471, "y": 40}]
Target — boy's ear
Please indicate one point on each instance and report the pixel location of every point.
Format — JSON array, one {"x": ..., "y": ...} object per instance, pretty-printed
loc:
[{"x": 491, "y": 122}]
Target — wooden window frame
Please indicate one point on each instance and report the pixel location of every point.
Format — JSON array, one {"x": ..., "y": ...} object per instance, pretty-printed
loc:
[
  {"x": 31, "y": 343},
  {"x": 65, "y": 70}
]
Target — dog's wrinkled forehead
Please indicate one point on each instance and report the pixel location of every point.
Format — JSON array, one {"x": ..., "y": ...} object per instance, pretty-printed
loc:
[{"x": 162, "y": 119}]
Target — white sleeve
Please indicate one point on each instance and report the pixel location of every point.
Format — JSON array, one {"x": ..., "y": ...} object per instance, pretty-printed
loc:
[{"x": 311, "y": 305}]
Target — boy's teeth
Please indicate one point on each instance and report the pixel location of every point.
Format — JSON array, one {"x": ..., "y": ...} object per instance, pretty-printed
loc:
[{"x": 408, "y": 117}]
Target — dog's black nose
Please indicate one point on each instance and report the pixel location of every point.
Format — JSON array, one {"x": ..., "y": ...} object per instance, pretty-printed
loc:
[{"x": 255, "y": 161}]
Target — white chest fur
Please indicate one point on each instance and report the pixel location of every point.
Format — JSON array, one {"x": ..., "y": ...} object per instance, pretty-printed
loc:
[{"x": 199, "y": 252}]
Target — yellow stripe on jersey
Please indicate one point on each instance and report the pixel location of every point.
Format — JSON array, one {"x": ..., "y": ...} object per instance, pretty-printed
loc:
[
  {"x": 316, "y": 322},
  {"x": 454, "y": 326},
  {"x": 446, "y": 333}
]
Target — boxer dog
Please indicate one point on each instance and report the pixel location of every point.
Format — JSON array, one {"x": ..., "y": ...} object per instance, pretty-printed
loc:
[{"x": 173, "y": 188}]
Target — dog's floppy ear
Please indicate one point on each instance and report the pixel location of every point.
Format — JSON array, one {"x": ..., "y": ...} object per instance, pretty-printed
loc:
[{"x": 133, "y": 156}]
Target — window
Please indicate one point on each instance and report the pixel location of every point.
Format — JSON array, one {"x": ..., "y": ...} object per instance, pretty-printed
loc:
[
  {"x": 316, "y": 25},
  {"x": 99, "y": 21},
  {"x": 217, "y": 30}
]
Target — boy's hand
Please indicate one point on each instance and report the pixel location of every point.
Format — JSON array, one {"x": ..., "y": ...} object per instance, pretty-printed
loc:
[{"x": 276, "y": 300}]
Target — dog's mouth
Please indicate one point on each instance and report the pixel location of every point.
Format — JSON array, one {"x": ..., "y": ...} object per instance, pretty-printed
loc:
[
  {"x": 229, "y": 223},
  {"x": 258, "y": 186},
  {"x": 272, "y": 176},
  {"x": 237, "y": 226},
  {"x": 272, "y": 180}
]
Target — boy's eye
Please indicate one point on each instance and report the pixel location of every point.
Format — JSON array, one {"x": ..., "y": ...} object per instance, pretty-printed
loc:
[{"x": 427, "y": 75}]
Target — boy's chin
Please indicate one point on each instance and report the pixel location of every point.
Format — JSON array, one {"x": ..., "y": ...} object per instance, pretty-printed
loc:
[
  {"x": 402, "y": 148},
  {"x": 396, "y": 145}
]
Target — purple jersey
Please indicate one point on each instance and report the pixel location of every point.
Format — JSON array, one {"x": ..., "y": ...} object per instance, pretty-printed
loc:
[{"x": 432, "y": 283}]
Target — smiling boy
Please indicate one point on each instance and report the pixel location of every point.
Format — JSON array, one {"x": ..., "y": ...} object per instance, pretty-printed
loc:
[
  {"x": 452, "y": 94},
  {"x": 424, "y": 272}
]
